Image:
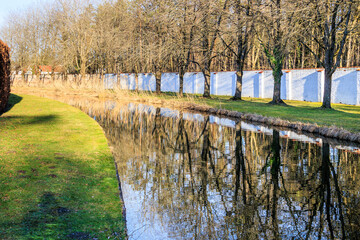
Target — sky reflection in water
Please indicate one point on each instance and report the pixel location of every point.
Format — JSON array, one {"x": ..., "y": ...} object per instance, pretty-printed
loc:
[{"x": 189, "y": 176}]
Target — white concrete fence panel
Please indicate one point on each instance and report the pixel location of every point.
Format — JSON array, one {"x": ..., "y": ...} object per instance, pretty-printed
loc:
[
  {"x": 194, "y": 83},
  {"x": 127, "y": 81},
  {"x": 297, "y": 84},
  {"x": 147, "y": 82},
  {"x": 170, "y": 82},
  {"x": 223, "y": 83},
  {"x": 344, "y": 87},
  {"x": 110, "y": 81}
]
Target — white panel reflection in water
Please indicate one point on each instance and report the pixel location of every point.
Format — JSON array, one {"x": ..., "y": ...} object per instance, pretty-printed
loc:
[
  {"x": 201, "y": 180},
  {"x": 222, "y": 121},
  {"x": 141, "y": 223},
  {"x": 166, "y": 112}
]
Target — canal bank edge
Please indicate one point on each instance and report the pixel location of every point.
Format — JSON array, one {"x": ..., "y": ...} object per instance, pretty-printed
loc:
[
  {"x": 329, "y": 132},
  {"x": 58, "y": 178},
  {"x": 325, "y": 131}
]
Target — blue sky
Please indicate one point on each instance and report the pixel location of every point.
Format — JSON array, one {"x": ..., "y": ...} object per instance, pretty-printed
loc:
[{"x": 7, "y": 6}]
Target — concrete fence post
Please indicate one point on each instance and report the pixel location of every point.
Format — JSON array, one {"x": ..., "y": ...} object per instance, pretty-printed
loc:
[
  {"x": 197, "y": 83},
  {"x": 213, "y": 83},
  {"x": 321, "y": 82},
  {"x": 177, "y": 82},
  {"x": 216, "y": 85},
  {"x": 358, "y": 86},
  {"x": 262, "y": 84},
  {"x": 233, "y": 82},
  {"x": 288, "y": 85}
]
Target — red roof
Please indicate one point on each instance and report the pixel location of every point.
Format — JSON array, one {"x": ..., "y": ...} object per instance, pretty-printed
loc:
[{"x": 50, "y": 69}]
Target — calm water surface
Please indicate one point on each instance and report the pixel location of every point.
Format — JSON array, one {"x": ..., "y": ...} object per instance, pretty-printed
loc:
[{"x": 189, "y": 176}]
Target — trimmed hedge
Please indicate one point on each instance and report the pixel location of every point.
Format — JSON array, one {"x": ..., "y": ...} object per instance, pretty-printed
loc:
[{"x": 4, "y": 75}]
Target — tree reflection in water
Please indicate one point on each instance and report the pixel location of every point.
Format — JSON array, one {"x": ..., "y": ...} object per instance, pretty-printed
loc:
[{"x": 199, "y": 180}]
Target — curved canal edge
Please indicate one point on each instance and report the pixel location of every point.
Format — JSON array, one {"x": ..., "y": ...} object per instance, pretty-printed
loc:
[
  {"x": 329, "y": 132},
  {"x": 121, "y": 198},
  {"x": 57, "y": 174},
  {"x": 325, "y": 131}
]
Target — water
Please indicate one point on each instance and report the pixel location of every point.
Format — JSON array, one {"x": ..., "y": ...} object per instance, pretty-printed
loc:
[{"x": 190, "y": 176}]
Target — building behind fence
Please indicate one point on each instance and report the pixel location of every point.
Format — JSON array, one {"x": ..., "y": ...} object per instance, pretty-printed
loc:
[{"x": 298, "y": 84}]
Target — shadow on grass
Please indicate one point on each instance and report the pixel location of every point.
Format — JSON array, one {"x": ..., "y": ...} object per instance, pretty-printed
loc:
[
  {"x": 45, "y": 217},
  {"x": 72, "y": 210},
  {"x": 13, "y": 100},
  {"x": 33, "y": 120}
]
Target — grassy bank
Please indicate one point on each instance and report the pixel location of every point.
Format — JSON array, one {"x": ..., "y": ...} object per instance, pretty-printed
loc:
[
  {"x": 343, "y": 116},
  {"x": 57, "y": 174}
]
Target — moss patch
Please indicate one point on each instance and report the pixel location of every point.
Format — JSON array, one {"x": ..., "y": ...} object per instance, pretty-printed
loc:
[{"x": 57, "y": 174}]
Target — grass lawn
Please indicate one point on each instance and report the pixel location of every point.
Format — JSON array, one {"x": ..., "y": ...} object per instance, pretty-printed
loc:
[
  {"x": 57, "y": 174},
  {"x": 344, "y": 116}
]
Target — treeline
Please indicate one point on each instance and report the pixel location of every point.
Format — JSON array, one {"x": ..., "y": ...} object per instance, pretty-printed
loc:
[{"x": 186, "y": 35}]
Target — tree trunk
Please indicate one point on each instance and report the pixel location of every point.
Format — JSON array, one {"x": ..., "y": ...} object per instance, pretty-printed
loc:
[
  {"x": 327, "y": 89},
  {"x": 275, "y": 172},
  {"x": 238, "y": 91},
  {"x": 4, "y": 76},
  {"x": 277, "y": 73},
  {"x": 206, "y": 73},
  {"x": 240, "y": 165},
  {"x": 83, "y": 68},
  {"x": 181, "y": 80},
  {"x": 158, "y": 82}
]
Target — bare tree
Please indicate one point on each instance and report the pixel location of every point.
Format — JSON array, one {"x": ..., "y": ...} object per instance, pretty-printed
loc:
[
  {"x": 278, "y": 21},
  {"x": 330, "y": 29},
  {"x": 239, "y": 44},
  {"x": 210, "y": 21},
  {"x": 110, "y": 27},
  {"x": 182, "y": 36},
  {"x": 76, "y": 20}
]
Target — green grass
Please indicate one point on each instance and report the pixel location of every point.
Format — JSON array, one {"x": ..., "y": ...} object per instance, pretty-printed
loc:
[
  {"x": 343, "y": 116},
  {"x": 57, "y": 174}
]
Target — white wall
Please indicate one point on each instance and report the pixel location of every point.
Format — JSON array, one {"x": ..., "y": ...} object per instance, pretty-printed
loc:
[
  {"x": 267, "y": 84},
  {"x": 344, "y": 86},
  {"x": 251, "y": 87},
  {"x": 223, "y": 83},
  {"x": 146, "y": 82},
  {"x": 170, "y": 82},
  {"x": 194, "y": 83},
  {"x": 127, "y": 81},
  {"x": 302, "y": 84},
  {"x": 305, "y": 85},
  {"x": 110, "y": 81}
]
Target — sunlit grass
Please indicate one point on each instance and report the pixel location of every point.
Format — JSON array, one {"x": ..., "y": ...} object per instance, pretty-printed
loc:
[
  {"x": 57, "y": 175},
  {"x": 343, "y": 116}
]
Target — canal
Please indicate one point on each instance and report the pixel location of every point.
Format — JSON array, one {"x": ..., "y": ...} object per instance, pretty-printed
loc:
[{"x": 190, "y": 176}]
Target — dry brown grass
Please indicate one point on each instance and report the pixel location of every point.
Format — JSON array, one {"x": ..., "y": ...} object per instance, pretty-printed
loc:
[{"x": 190, "y": 103}]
